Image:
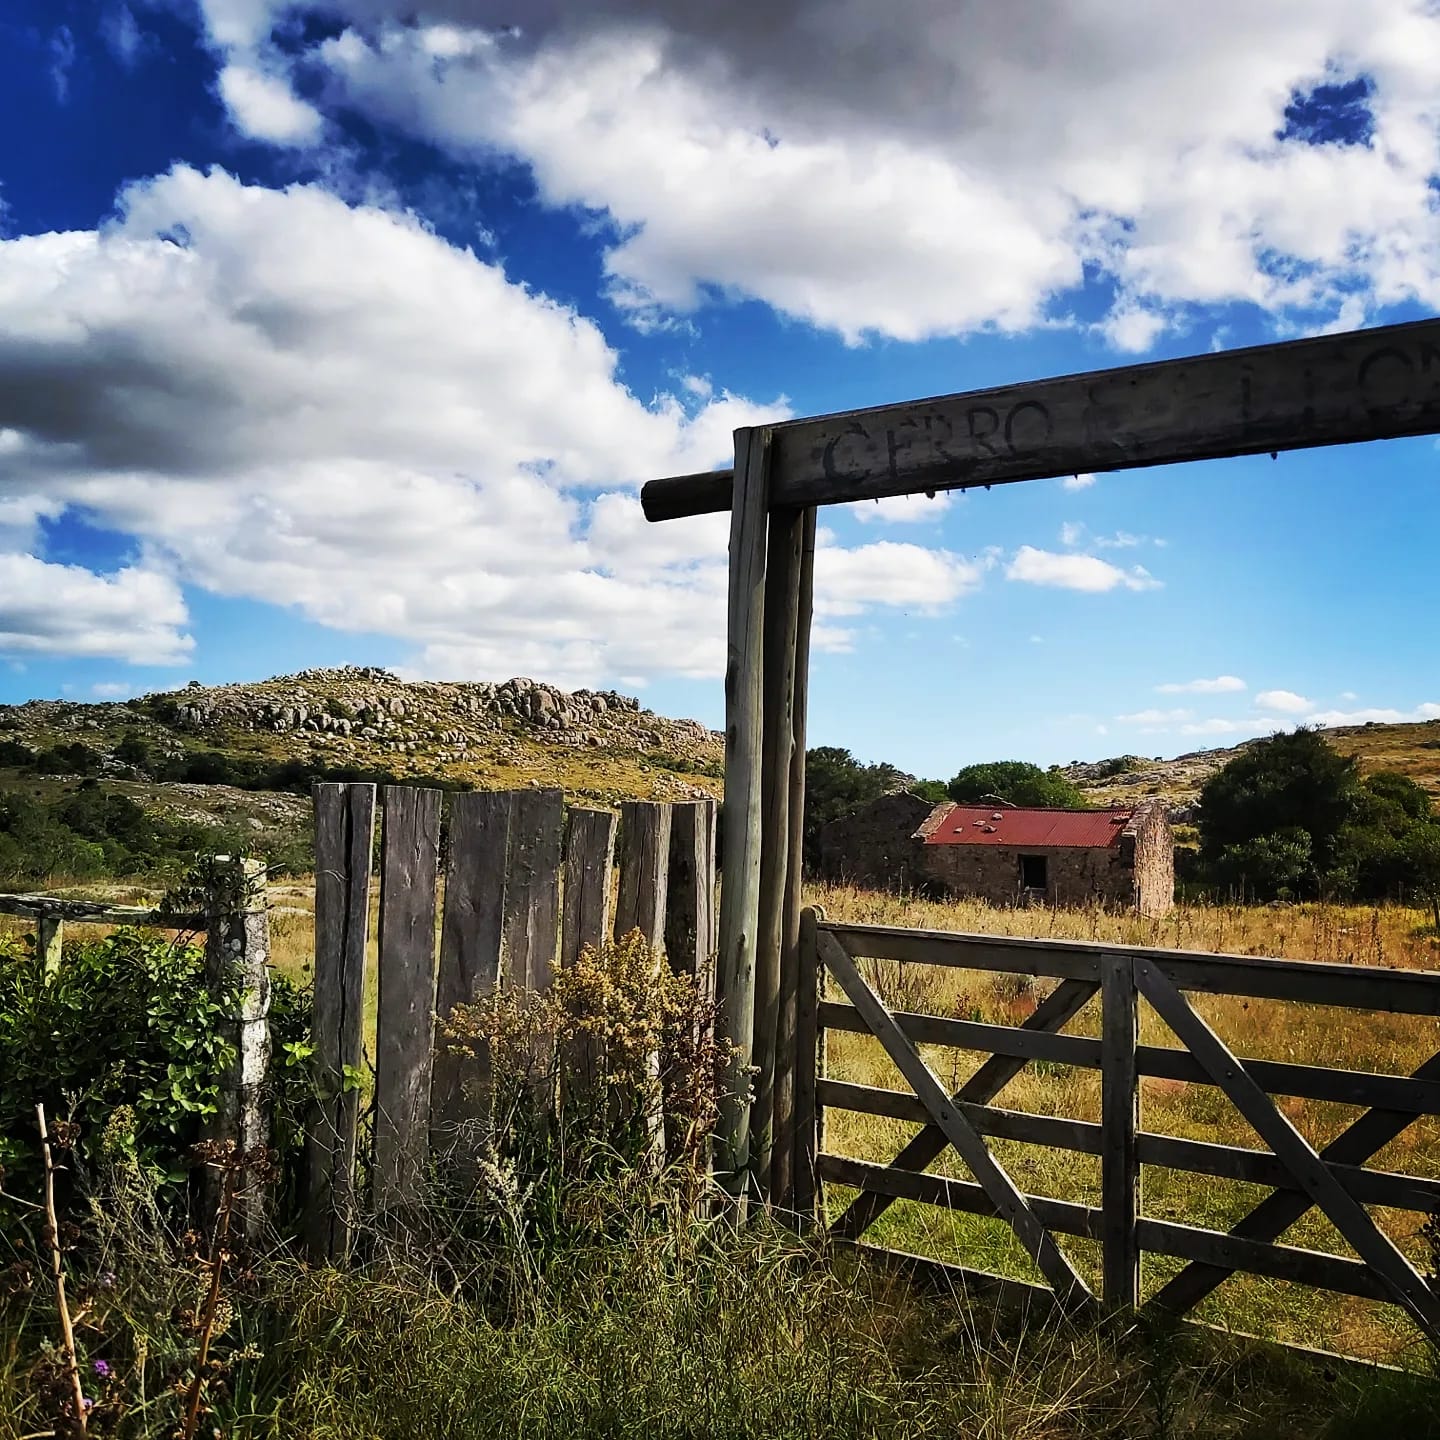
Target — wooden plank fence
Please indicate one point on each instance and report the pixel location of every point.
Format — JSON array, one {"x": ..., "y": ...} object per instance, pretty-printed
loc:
[
  {"x": 1333, "y": 1178},
  {"x": 526, "y": 887}
]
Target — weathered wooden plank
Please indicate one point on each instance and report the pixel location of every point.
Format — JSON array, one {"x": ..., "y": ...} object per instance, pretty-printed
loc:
[
  {"x": 589, "y": 858},
  {"x": 1356, "y": 987},
  {"x": 405, "y": 1021},
  {"x": 1010, "y": 1204},
  {"x": 1022, "y": 1042},
  {"x": 344, "y": 837},
  {"x": 472, "y": 928},
  {"x": 740, "y": 865},
  {"x": 1280, "y": 1262},
  {"x": 1119, "y": 1122},
  {"x": 1048, "y": 959},
  {"x": 97, "y": 913},
  {"x": 690, "y": 894},
  {"x": 791, "y": 1058},
  {"x": 585, "y": 924},
  {"x": 1059, "y": 1007},
  {"x": 1292, "y": 1149},
  {"x": 809, "y": 1069},
  {"x": 1295, "y": 394},
  {"x": 1279, "y": 1077},
  {"x": 1064, "y": 1216},
  {"x": 532, "y": 887},
  {"x": 1276, "y": 1213},
  {"x": 237, "y": 975},
  {"x": 782, "y": 606},
  {"x": 644, "y": 869},
  {"x": 1201, "y": 1157}
]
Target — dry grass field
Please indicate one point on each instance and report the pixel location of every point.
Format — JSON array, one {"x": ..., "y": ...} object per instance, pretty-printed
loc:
[{"x": 1308, "y": 1034}]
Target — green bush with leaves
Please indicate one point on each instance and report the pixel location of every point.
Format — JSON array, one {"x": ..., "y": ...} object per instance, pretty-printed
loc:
[{"x": 128, "y": 1021}]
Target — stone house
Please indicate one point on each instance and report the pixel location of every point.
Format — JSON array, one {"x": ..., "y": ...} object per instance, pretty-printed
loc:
[
  {"x": 874, "y": 846},
  {"x": 1009, "y": 855}
]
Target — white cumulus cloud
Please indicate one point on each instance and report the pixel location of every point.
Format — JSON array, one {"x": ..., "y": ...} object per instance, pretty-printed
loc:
[
  {"x": 927, "y": 173},
  {"x": 326, "y": 406},
  {"x": 1075, "y": 572},
  {"x": 1287, "y": 702},
  {"x": 1219, "y": 685}
]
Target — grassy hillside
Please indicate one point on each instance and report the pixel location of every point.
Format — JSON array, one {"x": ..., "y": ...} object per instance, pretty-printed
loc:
[{"x": 1411, "y": 749}]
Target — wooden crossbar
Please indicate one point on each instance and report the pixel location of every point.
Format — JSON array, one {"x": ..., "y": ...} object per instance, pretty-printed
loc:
[
  {"x": 1293, "y": 395},
  {"x": 1311, "y": 1172},
  {"x": 1011, "y": 1205}
]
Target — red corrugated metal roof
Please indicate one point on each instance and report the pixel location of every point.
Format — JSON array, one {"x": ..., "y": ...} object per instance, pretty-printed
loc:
[{"x": 1031, "y": 829}]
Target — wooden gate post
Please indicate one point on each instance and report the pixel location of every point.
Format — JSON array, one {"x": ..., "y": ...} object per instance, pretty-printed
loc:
[
  {"x": 237, "y": 974},
  {"x": 740, "y": 865},
  {"x": 1119, "y": 1122},
  {"x": 782, "y": 592}
]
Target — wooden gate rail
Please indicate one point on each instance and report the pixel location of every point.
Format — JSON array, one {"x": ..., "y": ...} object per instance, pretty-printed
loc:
[{"x": 1333, "y": 1178}]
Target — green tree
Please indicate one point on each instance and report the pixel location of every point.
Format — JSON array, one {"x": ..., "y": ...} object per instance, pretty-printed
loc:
[
  {"x": 1289, "y": 783},
  {"x": 1422, "y": 851},
  {"x": 1017, "y": 781},
  {"x": 837, "y": 783}
]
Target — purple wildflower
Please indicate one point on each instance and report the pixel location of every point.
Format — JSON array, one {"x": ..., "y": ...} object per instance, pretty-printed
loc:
[{"x": 102, "y": 1369}]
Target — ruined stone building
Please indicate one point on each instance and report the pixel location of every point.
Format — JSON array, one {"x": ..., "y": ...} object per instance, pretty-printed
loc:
[{"x": 1122, "y": 856}]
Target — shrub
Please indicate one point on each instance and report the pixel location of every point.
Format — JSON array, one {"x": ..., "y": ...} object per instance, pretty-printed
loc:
[{"x": 127, "y": 1023}]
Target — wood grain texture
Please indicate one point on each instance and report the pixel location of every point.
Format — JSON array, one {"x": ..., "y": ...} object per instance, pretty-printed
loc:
[
  {"x": 344, "y": 837},
  {"x": 1053, "y": 1013},
  {"x": 690, "y": 894},
  {"x": 472, "y": 932},
  {"x": 237, "y": 975},
  {"x": 1295, "y": 394},
  {"x": 1064, "y": 1216},
  {"x": 644, "y": 870},
  {"x": 1201, "y": 1157},
  {"x": 1356, "y": 987},
  {"x": 1010, "y": 1204},
  {"x": 782, "y": 612},
  {"x": 740, "y": 865},
  {"x": 1292, "y": 1149},
  {"x": 791, "y": 1056},
  {"x": 1119, "y": 1123},
  {"x": 405, "y": 1026},
  {"x": 809, "y": 1070},
  {"x": 589, "y": 859},
  {"x": 1276, "y": 1213},
  {"x": 532, "y": 887},
  {"x": 84, "y": 911}
]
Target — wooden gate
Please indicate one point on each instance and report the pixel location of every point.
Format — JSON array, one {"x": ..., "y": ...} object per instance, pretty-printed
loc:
[{"x": 1333, "y": 1178}]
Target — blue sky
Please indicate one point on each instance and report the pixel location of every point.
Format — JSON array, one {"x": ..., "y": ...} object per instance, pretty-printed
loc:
[{"x": 345, "y": 332}]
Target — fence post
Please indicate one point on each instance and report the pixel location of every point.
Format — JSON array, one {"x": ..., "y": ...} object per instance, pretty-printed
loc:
[
  {"x": 49, "y": 940},
  {"x": 644, "y": 865},
  {"x": 809, "y": 1063},
  {"x": 237, "y": 973},
  {"x": 344, "y": 835},
  {"x": 1119, "y": 1121}
]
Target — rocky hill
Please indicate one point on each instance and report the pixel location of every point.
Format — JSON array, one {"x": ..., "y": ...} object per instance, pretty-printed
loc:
[{"x": 245, "y": 754}]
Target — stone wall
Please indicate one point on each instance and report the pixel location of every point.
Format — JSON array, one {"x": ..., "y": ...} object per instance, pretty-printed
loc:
[
  {"x": 992, "y": 872},
  {"x": 1148, "y": 848},
  {"x": 873, "y": 846}
]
